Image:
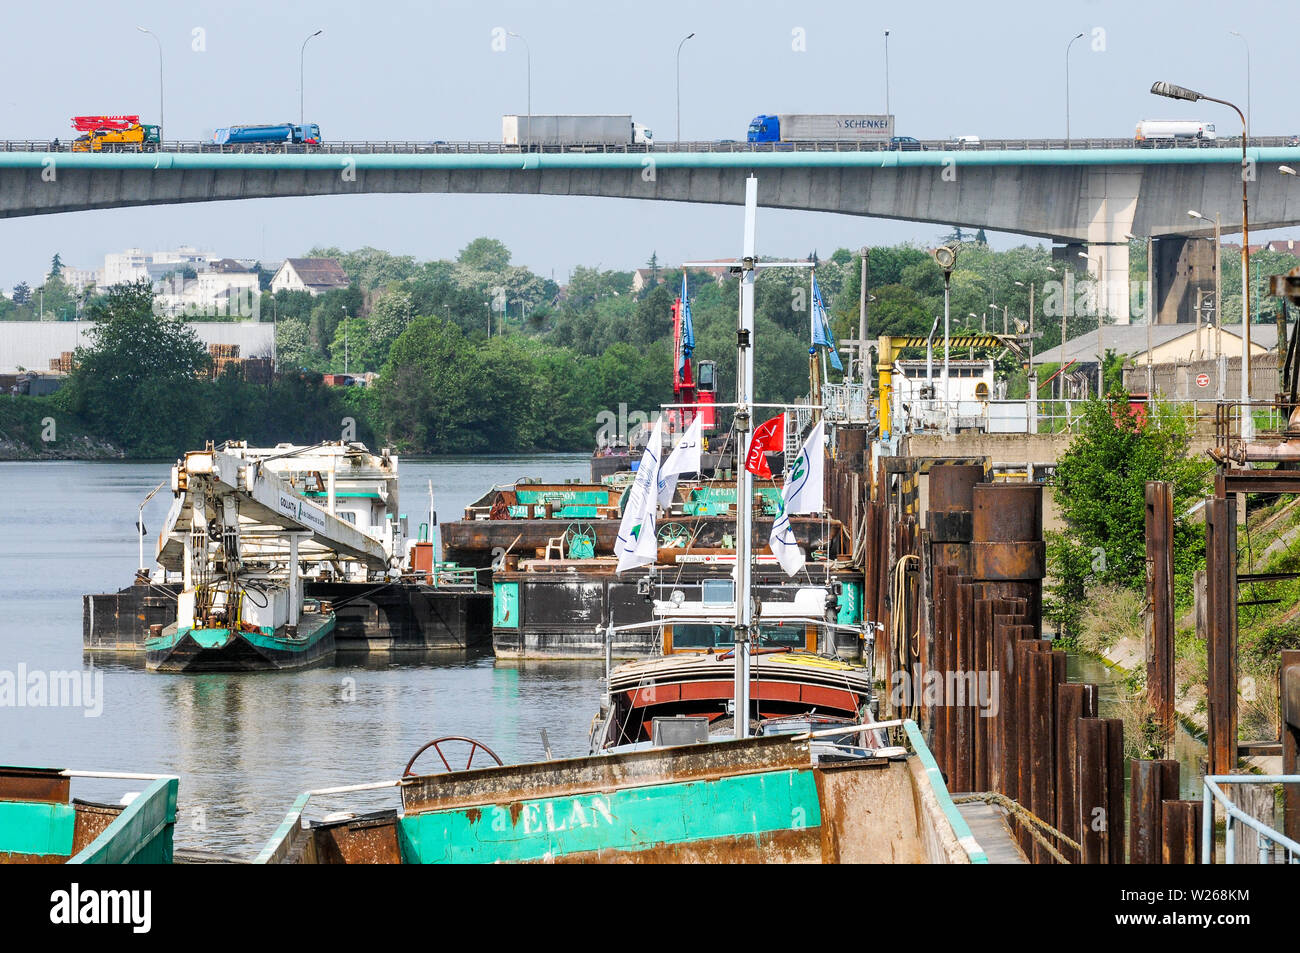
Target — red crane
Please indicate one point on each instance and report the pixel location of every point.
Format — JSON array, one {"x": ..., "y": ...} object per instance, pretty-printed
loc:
[{"x": 95, "y": 123}]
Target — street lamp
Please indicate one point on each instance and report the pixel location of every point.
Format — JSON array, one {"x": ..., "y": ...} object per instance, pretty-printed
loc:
[
  {"x": 1170, "y": 91},
  {"x": 1247, "y": 42},
  {"x": 160, "y": 84},
  {"x": 679, "y": 84},
  {"x": 1100, "y": 299},
  {"x": 1077, "y": 36},
  {"x": 302, "y": 120},
  {"x": 529, "y": 54},
  {"x": 886, "y": 72}
]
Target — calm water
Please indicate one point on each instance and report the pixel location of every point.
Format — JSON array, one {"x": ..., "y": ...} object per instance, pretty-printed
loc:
[{"x": 246, "y": 745}]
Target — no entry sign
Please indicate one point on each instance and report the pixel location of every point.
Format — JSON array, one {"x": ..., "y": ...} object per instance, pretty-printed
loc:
[{"x": 1202, "y": 380}]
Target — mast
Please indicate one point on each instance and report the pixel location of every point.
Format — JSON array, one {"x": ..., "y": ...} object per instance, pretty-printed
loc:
[{"x": 744, "y": 480}]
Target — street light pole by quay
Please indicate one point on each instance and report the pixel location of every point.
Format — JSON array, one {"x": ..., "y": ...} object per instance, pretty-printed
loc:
[{"x": 1171, "y": 91}]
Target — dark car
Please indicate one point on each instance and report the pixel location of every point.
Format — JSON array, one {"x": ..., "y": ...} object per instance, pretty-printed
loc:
[{"x": 905, "y": 144}]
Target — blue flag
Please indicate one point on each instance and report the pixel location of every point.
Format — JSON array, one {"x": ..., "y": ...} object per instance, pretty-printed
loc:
[
  {"x": 822, "y": 327},
  {"x": 688, "y": 332}
]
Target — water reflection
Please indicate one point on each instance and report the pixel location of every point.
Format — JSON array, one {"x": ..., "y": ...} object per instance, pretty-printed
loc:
[{"x": 245, "y": 745}]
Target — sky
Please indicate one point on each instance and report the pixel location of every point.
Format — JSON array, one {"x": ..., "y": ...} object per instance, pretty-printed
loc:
[{"x": 425, "y": 71}]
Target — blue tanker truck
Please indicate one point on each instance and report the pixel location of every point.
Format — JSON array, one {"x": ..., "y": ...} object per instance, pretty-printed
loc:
[{"x": 308, "y": 134}]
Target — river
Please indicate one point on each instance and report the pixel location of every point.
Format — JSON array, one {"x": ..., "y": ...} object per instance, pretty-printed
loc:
[{"x": 246, "y": 745}]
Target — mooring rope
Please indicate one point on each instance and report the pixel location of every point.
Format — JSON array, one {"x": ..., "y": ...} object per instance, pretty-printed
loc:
[{"x": 1033, "y": 823}]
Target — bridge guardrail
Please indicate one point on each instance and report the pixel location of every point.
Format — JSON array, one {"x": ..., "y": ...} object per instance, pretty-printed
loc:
[{"x": 440, "y": 147}]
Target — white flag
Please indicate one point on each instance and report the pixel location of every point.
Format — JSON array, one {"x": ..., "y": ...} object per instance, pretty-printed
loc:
[
  {"x": 784, "y": 545},
  {"x": 804, "y": 483},
  {"x": 802, "y": 493},
  {"x": 636, "y": 545},
  {"x": 685, "y": 458}
]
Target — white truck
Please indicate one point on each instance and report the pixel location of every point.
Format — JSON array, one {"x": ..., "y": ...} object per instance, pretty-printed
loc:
[
  {"x": 820, "y": 127},
  {"x": 1168, "y": 130},
  {"x": 574, "y": 131}
]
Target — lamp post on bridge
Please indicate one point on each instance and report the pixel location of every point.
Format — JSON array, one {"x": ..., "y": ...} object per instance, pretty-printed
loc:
[
  {"x": 679, "y": 84},
  {"x": 1170, "y": 91},
  {"x": 528, "y": 53},
  {"x": 161, "y": 127},
  {"x": 1078, "y": 36},
  {"x": 302, "y": 54}
]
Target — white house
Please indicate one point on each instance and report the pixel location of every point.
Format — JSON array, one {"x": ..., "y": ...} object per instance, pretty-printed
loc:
[{"x": 313, "y": 275}]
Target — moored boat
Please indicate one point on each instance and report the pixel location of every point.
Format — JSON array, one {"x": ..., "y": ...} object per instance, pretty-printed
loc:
[
  {"x": 42, "y": 823},
  {"x": 780, "y": 798},
  {"x": 245, "y": 646},
  {"x": 241, "y": 528}
]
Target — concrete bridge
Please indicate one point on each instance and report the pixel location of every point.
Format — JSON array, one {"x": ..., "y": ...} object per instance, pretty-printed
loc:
[{"x": 1092, "y": 198}]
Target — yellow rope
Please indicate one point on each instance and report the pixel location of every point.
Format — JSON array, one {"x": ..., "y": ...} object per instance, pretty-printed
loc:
[{"x": 1026, "y": 817}]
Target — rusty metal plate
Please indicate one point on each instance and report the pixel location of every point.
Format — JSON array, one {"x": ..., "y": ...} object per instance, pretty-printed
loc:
[
  {"x": 952, "y": 486},
  {"x": 1008, "y": 512},
  {"x": 34, "y": 784},
  {"x": 1010, "y": 561},
  {"x": 950, "y": 526}
]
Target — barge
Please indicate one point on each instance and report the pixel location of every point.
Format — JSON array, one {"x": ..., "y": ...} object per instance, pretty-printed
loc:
[{"x": 41, "y": 822}]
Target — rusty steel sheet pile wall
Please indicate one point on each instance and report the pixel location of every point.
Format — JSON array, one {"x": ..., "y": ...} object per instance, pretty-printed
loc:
[
  {"x": 987, "y": 687},
  {"x": 1160, "y": 606},
  {"x": 1221, "y": 606}
]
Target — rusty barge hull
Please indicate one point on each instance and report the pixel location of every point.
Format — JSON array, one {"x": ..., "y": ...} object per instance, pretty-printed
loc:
[
  {"x": 385, "y": 617},
  {"x": 760, "y": 800}
]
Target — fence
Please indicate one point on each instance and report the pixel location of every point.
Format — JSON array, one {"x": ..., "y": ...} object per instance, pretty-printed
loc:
[
  {"x": 369, "y": 147},
  {"x": 1266, "y": 836}
]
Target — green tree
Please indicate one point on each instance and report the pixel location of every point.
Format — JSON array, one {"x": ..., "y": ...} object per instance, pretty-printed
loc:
[
  {"x": 485, "y": 254},
  {"x": 56, "y": 267},
  {"x": 1100, "y": 489},
  {"x": 22, "y": 294},
  {"x": 139, "y": 381}
]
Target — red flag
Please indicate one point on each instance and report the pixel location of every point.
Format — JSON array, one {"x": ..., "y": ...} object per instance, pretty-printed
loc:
[{"x": 769, "y": 437}]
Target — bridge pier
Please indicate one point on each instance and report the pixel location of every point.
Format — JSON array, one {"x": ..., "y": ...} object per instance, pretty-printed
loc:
[{"x": 1184, "y": 266}]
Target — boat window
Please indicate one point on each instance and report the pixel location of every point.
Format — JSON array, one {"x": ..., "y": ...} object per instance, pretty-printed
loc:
[
  {"x": 717, "y": 592},
  {"x": 707, "y": 635},
  {"x": 701, "y": 635},
  {"x": 782, "y": 635}
]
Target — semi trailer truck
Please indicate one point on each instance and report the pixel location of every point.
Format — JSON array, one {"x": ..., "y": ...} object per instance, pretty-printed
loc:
[
  {"x": 822, "y": 127},
  {"x": 1166, "y": 130},
  {"x": 306, "y": 134},
  {"x": 574, "y": 131}
]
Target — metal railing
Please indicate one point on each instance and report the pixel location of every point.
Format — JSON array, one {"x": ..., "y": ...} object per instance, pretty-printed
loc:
[
  {"x": 447, "y": 147},
  {"x": 1268, "y": 836},
  {"x": 847, "y": 403}
]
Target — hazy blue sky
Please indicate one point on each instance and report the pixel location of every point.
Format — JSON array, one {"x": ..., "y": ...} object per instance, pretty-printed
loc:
[{"x": 407, "y": 70}]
